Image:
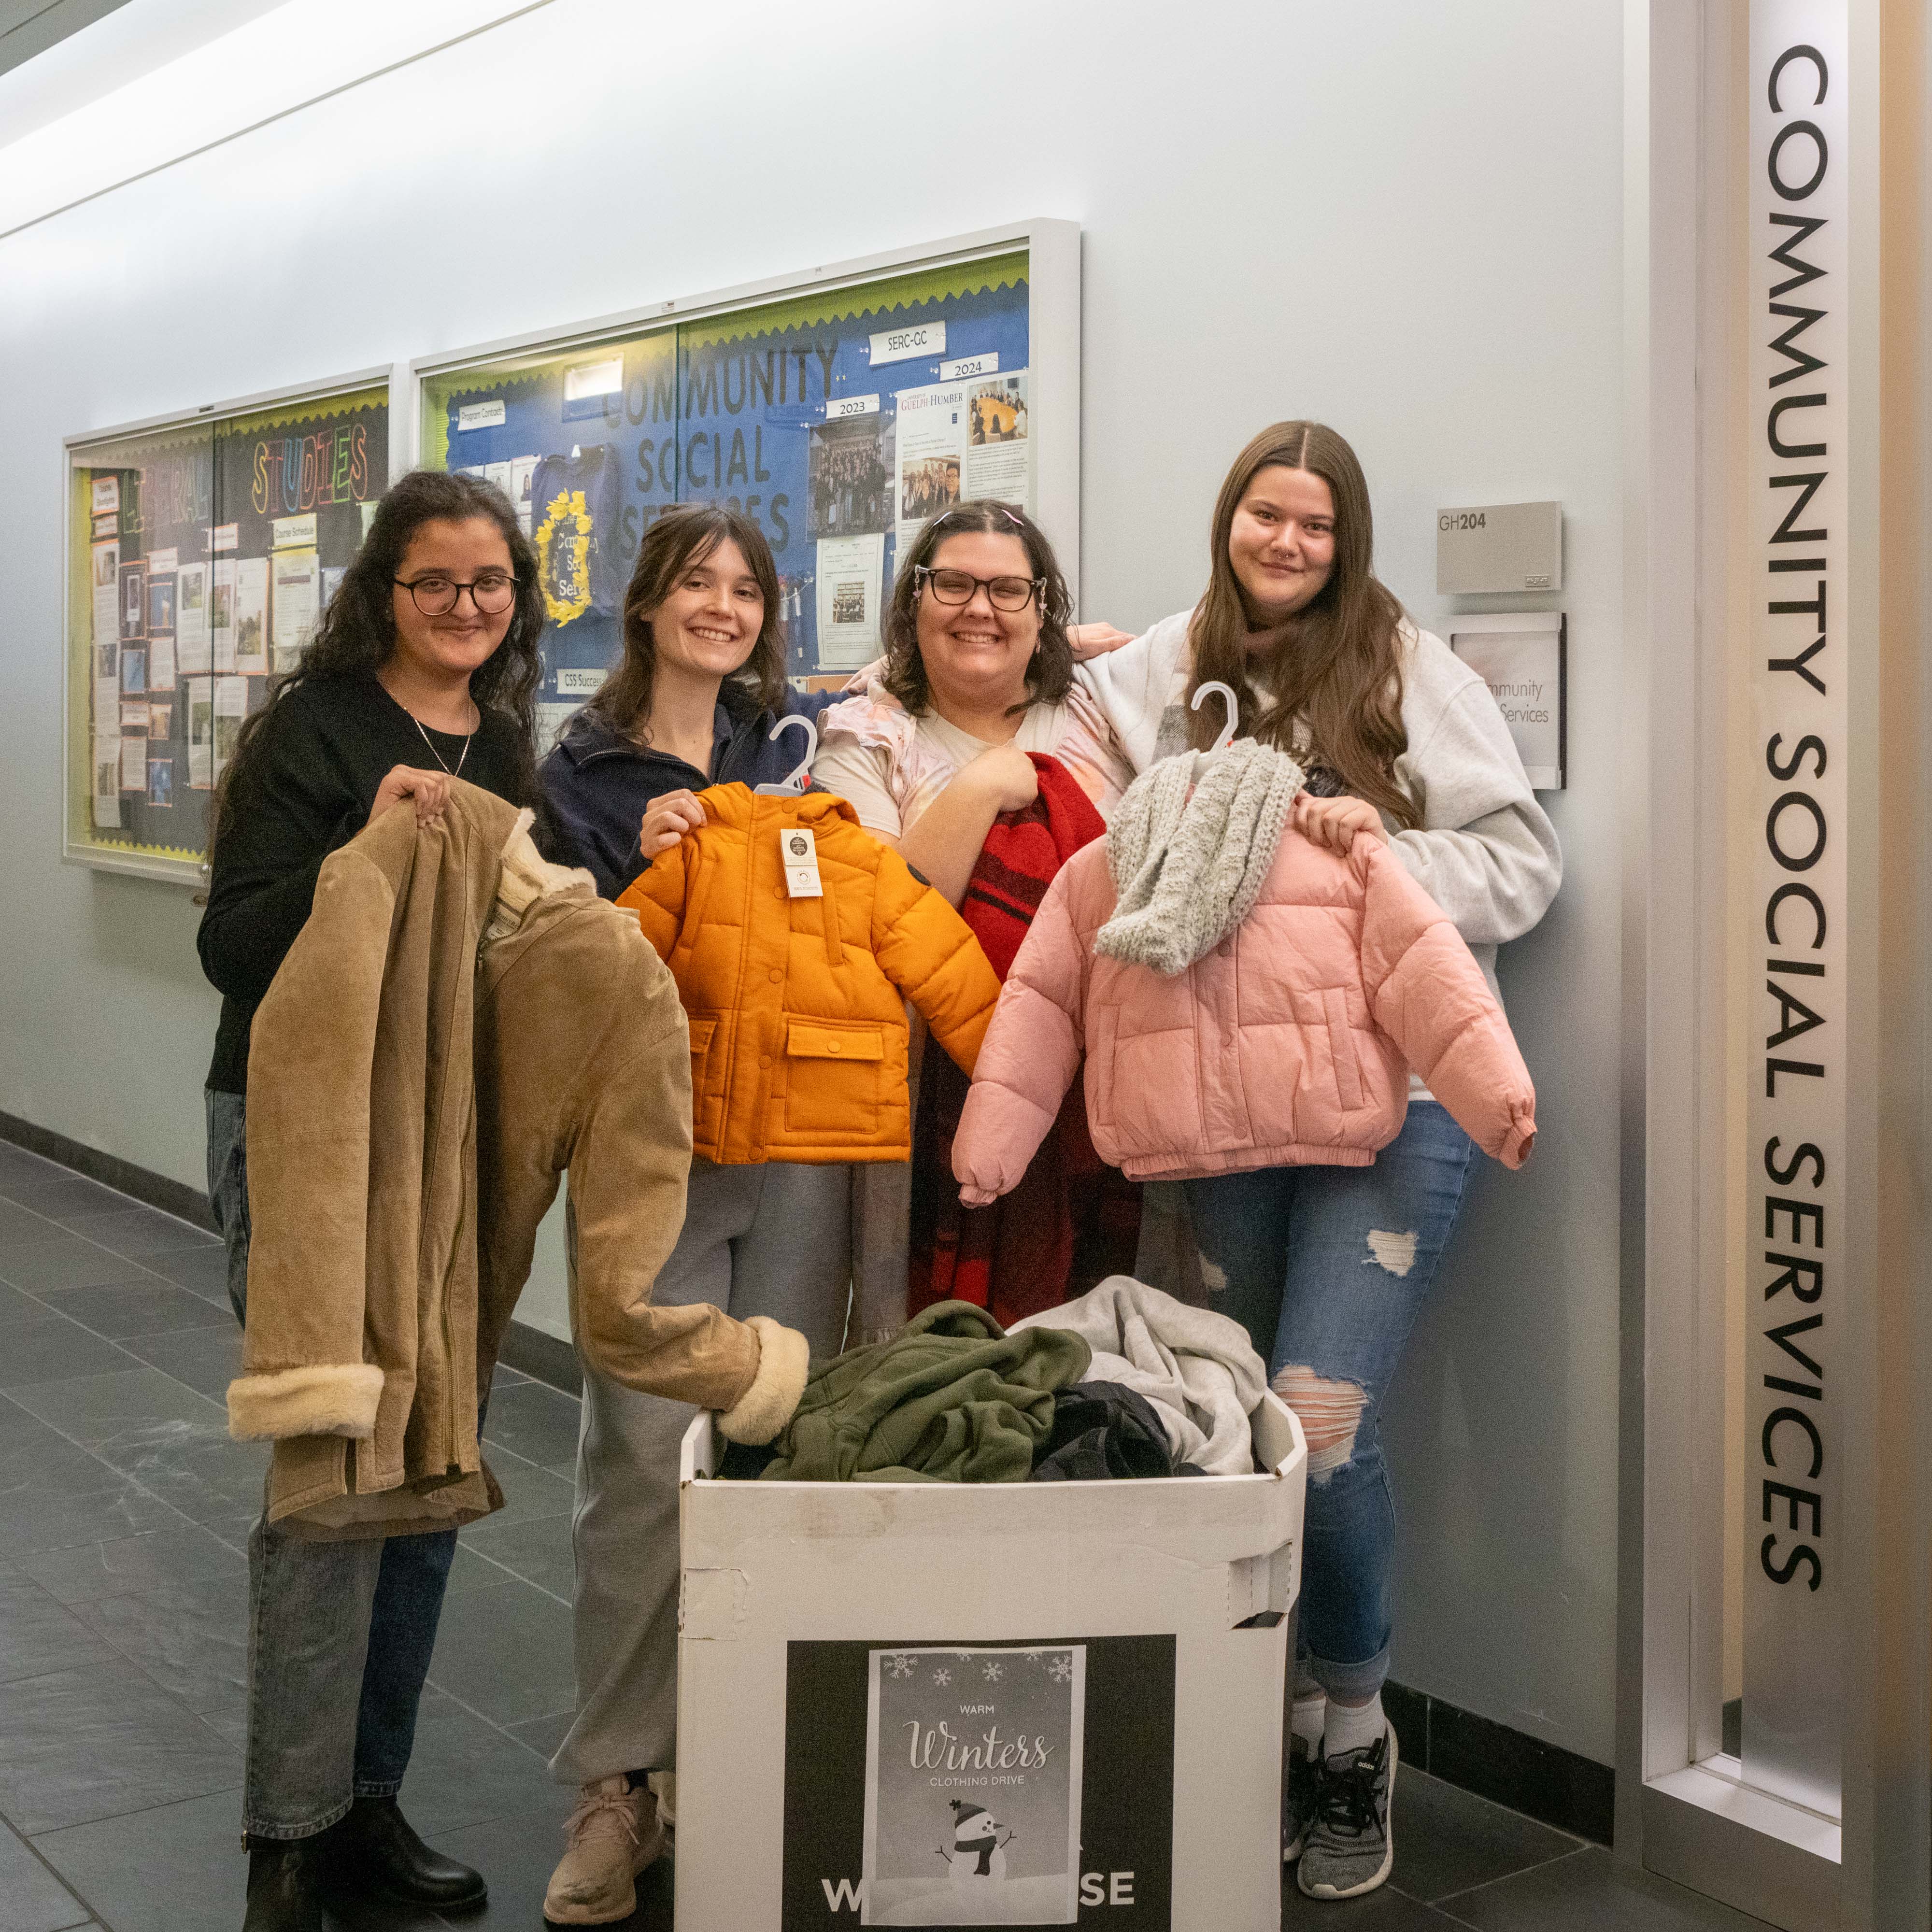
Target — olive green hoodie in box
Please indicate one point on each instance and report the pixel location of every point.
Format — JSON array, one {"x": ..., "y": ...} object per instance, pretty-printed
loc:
[{"x": 952, "y": 1398}]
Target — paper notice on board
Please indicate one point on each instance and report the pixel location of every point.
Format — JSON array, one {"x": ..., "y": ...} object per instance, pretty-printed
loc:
[
  {"x": 251, "y": 617},
  {"x": 296, "y": 574},
  {"x": 231, "y": 706},
  {"x": 996, "y": 438},
  {"x": 523, "y": 473},
  {"x": 161, "y": 664},
  {"x": 105, "y": 494},
  {"x": 849, "y": 577},
  {"x": 106, "y": 610},
  {"x": 200, "y": 732},
  {"x": 190, "y": 612},
  {"x": 106, "y": 783},
  {"x": 134, "y": 763},
  {"x": 107, "y": 706},
  {"x": 930, "y": 455},
  {"x": 218, "y": 650}
]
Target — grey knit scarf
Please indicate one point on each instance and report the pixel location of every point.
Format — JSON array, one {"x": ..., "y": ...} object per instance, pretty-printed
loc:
[{"x": 1189, "y": 857}]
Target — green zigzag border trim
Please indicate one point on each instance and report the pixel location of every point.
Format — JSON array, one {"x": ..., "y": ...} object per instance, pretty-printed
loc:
[{"x": 880, "y": 298}]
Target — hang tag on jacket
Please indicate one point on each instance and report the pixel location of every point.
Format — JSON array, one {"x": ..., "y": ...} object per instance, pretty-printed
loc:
[{"x": 798, "y": 853}]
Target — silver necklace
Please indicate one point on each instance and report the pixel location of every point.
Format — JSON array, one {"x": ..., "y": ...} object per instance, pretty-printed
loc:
[{"x": 437, "y": 755}]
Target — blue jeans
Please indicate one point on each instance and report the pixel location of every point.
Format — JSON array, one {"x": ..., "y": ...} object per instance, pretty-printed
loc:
[
  {"x": 1327, "y": 1268},
  {"x": 339, "y": 1633}
]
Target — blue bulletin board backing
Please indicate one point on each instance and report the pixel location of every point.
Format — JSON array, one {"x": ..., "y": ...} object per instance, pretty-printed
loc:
[{"x": 837, "y": 420}]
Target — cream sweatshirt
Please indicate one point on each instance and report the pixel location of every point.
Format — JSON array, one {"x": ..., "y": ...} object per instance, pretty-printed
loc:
[{"x": 1486, "y": 851}]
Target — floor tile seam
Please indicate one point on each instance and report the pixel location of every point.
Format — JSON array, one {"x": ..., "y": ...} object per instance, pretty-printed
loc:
[
  {"x": 72, "y": 1442},
  {"x": 462, "y": 1704},
  {"x": 133, "y": 1811},
  {"x": 134, "y": 1361},
  {"x": 174, "y": 1698},
  {"x": 517, "y": 1576},
  {"x": 81, "y": 1663},
  {"x": 39, "y": 1297},
  {"x": 121, "y": 1475},
  {"x": 1521, "y": 1871},
  {"x": 128, "y": 1656},
  {"x": 218, "y": 1317},
  {"x": 25, "y": 1208},
  {"x": 95, "y": 1915},
  {"x": 70, "y": 1233},
  {"x": 95, "y": 1663}
]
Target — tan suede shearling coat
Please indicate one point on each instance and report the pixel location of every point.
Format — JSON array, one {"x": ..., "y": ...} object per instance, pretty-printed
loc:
[{"x": 457, "y": 1025}]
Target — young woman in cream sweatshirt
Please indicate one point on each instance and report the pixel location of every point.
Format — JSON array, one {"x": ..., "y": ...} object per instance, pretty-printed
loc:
[{"x": 1329, "y": 1267}]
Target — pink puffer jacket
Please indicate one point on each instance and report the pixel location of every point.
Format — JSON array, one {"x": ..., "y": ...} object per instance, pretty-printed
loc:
[{"x": 1286, "y": 1045}]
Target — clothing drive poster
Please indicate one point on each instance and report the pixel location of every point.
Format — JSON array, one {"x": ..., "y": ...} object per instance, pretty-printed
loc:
[
  {"x": 979, "y": 1750},
  {"x": 790, "y": 413},
  {"x": 1024, "y": 1784}
]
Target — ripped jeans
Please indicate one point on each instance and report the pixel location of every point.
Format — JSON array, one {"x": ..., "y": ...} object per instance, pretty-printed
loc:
[{"x": 1327, "y": 1268}]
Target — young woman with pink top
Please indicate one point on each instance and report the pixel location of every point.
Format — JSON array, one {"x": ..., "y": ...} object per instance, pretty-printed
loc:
[{"x": 1328, "y": 1266}]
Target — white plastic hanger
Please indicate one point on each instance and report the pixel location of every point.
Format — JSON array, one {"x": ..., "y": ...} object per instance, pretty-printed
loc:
[
  {"x": 793, "y": 784},
  {"x": 1226, "y": 737}
]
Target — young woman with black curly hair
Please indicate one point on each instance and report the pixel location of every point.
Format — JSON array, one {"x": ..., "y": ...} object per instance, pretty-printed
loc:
[{"x": 423, "y": 668}]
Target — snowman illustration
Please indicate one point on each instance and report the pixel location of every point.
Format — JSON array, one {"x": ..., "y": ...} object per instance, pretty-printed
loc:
[{"x": 979, "y": 1855}]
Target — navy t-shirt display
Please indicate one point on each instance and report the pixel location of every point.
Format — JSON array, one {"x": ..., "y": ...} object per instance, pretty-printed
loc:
[{"x": 576, "y": 503}]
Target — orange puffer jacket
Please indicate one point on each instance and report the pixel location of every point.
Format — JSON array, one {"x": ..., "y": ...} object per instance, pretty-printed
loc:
[{"x": 798, "y": 1026}]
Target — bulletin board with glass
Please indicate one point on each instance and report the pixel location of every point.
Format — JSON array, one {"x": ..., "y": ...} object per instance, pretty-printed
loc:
[
  {"x": 838, "y": 418},
  {"x": 200, "y": 554}
]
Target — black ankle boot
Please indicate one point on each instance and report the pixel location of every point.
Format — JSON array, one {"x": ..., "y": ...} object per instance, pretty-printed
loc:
[
  {"x": 285, "y": 1887},
  {"x": 373, "y": 1852}
]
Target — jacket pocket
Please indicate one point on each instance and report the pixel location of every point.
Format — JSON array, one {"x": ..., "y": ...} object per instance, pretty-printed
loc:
[
  {"x": 833, "y": 1070},
  {"x": 1101, "y": 1024},
  {"x": 704, "y": 1100},
  {"x": 1342, "y": 1048}
]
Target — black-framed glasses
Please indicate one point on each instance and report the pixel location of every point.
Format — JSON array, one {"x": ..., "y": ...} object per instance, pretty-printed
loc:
[
  {"x": 957, "y": 586},
  {"x": 436, "y": 595}
]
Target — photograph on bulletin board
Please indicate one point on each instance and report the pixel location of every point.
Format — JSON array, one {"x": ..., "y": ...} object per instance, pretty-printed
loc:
[
  {"x": 838, "y": 420},
  {"x": 227, "y": 536}
]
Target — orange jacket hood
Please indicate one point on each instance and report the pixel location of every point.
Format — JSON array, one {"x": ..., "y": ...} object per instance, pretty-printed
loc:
[{"x": 796, "y": 1006}]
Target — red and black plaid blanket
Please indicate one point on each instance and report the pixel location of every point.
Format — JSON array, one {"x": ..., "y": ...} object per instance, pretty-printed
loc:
[{"x": 1072, "y": 1220}]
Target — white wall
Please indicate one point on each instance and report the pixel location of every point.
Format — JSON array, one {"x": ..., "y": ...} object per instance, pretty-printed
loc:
[{"x": 1403, "y": 218}]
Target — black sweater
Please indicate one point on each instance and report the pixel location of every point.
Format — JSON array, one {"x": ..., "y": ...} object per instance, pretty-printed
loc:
[{"x": 326, "y": 748}]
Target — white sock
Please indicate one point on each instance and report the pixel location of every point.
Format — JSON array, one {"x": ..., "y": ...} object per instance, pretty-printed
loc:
[
  {"x": 1306, "y": 1715},
  {"x": 1353, "y": 1726}
]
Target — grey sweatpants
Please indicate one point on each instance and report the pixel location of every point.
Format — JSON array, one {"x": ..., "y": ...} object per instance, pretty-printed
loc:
[{"x": 775, "y": 1240}]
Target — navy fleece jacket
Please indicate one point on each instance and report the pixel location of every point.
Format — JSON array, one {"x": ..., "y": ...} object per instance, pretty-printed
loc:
[{"x": 600, "y": 783}]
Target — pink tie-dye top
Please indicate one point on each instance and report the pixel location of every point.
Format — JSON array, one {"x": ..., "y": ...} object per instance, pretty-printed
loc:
[{"x": 916, "y": 765}]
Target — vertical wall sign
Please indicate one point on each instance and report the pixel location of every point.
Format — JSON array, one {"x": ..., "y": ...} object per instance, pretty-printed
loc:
[{"x": 1794, "y": 1214}]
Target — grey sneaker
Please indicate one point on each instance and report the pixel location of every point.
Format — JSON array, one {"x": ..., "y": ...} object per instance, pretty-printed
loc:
[
  {"x": 1297, "y": 1801},
  {"x": 1351, "y": 1846}
]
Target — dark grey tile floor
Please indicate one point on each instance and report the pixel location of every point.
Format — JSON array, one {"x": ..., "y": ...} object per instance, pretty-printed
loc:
[{"x": 125, "y": 1510}]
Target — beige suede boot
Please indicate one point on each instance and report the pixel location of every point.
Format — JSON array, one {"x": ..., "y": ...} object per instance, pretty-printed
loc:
[{"x": 613, "y": 1833}]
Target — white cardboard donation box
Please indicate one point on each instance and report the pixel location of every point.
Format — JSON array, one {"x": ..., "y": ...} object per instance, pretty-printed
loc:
[{"x": 1015, "y": 1704}]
